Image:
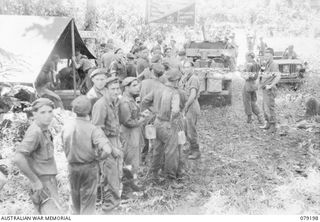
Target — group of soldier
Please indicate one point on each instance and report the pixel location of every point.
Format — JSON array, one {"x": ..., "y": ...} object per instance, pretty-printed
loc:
[{"x": 106, "y": 141}]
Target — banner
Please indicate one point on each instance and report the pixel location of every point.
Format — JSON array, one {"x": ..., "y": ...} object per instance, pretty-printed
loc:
[{"x": 179, "y": 12}]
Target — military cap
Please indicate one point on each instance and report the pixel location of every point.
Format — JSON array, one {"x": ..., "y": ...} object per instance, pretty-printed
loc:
[
  {"x": 81, "y": 105},
  {"x": 173, "y": 75},
  {"x": 182, "y": 53},
  {"x": 112, "y": 79},
  {"x": 269, "y": 50},
  {"x": 251, "y": 54},
  {"x": 130, "y": 56},
  {"x": 155, "y": 58},
  {"x": 157, "y": 68},
  {"x": 128, "y": 81},
  {"x": 98, "y": 72},
  {"x": 167, "y": 49},
  {"x": 37, "y": 104}
]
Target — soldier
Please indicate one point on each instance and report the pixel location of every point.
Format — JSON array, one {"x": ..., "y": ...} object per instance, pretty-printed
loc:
[
  {"x": 249, "y": 93},
  {"x": 105, "y": 115},
  {"x": 269, "y": 78},
  {"x": 99, "y": 79},
  {"x": 262, "y": 47},
  {"x": 35, "y": 157},
  {"x": 131, "y": 122},
  {"x": 82, "y": 141},
  {"x": 191, "y": 86},
  {"x": 142, "y": 61},
  {"x": 118, "y": 66},
  {"x": 289, "y": 53},
  {"x": 167, "y": 126},
  {"x": 152, "y": 90}
]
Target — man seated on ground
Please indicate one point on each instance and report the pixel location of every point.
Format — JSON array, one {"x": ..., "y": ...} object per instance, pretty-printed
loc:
[
  {"x": 289, "y": 53},
  {"x": 45, "y": 82}
]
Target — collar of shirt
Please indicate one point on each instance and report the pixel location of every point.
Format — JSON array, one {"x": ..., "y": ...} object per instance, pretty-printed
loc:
[{"x": 129, "y": 96}]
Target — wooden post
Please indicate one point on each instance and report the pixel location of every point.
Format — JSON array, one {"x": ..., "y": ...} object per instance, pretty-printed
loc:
[{"x": 73, "y": 54}]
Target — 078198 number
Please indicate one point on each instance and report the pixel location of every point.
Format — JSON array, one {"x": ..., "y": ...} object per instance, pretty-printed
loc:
[{"x": 311, "y": 218}]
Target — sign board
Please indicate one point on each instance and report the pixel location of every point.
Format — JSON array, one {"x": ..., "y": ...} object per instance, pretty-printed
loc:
[
  {"x": 179, "y": 12},
  {"x": 88, "y": 34}
]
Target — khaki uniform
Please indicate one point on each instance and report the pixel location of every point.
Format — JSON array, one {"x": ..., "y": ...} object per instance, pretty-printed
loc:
[
  {"x": 268, "y": 96},
  {"x": 105, "y": 115},
  {"x": 192, "y": 82},
  {"x": 82, "y": 142},
  {"x": 131, "y": 132},
  {"x": 38, "y": 146},
  {"x": 166, "y": 148},
  {"x": 94, "y": 94},
  {"x": 249, "y": 93}
]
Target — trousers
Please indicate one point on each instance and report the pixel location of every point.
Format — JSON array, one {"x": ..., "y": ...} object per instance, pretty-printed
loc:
[
  {"x": 250, "y": 102},
  {"x": 166, "y": 150},
  {"x": 268, "y": 97},
  {"x": 84, "y": 183},
  {"x": 111, "y": 170}
]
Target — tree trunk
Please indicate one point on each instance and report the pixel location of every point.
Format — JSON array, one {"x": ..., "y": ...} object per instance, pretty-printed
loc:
[{"x": 91, "y": 16}]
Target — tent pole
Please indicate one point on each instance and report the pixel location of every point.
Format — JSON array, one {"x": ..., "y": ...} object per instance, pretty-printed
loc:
[{"x": 73, "y": 65}]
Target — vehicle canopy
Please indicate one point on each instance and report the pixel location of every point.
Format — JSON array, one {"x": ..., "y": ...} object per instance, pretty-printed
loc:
[
  {"x": 212, "y": 49},
  {"x": 27, "y": 42}
]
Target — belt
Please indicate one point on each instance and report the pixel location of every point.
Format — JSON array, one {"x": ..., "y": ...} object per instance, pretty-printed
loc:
[
  {"x": 163, "y": 119},
  {"x": 82, "y": 164}
]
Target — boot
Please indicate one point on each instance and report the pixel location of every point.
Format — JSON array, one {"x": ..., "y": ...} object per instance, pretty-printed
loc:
[
  {"x": 261, "y": 120},
  {"x": 272, "y": 128},
  {"x": 265, "y": 126},
  {"x": 249, "y": 119},
  {"x": 194, "y": 155},
  {"x": 135, "y": 187}
]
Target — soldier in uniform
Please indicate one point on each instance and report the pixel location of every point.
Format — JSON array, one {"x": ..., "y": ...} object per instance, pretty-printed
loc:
[
  {"x": 98, "y": 90},
  {"x": 84, "y": 144},
  {"x": 249, "y": 93},
  {"x": 105, "y": 115},
  {"x": 35, "y": 157},
  {"x": 191, "y": 86},
  {"x": 166, "y": 149},
  {"x": 268, "y": 80},
  {"x": 131, "y": 121}
]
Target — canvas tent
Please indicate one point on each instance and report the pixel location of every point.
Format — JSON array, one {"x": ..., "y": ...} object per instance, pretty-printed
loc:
[{"x": 26, "y": 43}]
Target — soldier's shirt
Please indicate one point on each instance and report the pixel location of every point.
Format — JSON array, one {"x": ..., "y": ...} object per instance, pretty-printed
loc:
[
  {"x": 142, "y": 64},
  {"x": 105, "y": 115},
  {"x": 94, "y": 94},
  {"x": 192, "y": 82},
  {"x": 106, "y": 59},
  {"x": 128, "y": 111},
  {"x": 81, "y": 140},
  {"x": 151, "y": 94},
  {"x": 170, "y": 103},
  {"x": 38, "y": 146},
  {"x": 119, "y": 69},
  {"x": 270, "y": 73},
  {"x": 85, "y": 64},
  {"x": 253, "y": 69}
]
